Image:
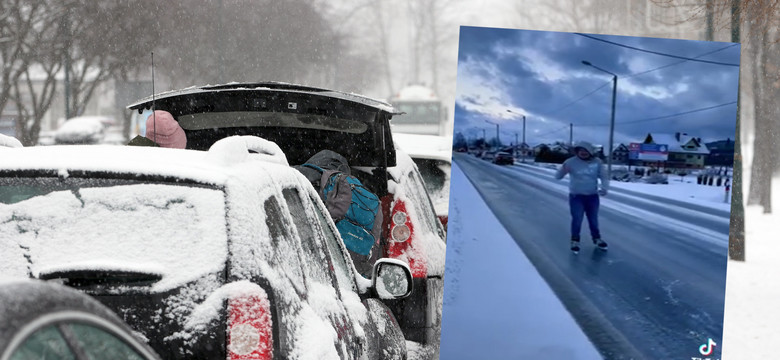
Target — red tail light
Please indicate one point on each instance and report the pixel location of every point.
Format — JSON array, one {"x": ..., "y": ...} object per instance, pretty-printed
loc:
[
  {"x": 250, "y": 328},
  {"x": 401, "y": 246}
]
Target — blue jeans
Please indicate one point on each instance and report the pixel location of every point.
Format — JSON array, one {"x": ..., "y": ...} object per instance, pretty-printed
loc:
[{"x": 581, "y": 206}]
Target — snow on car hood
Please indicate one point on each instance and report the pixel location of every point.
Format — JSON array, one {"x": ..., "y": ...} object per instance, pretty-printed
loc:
[{"x": 177, "y": 232}]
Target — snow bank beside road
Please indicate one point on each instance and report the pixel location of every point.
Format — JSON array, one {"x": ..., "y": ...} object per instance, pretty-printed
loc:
[{"x": 496, "y": 305}]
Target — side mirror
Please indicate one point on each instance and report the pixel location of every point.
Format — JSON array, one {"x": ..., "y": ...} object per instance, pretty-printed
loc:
[{"x": 392, "y": 279}]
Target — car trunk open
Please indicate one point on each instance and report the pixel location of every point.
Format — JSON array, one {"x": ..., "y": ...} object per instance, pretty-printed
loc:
[{"x": 301, "y": 120}]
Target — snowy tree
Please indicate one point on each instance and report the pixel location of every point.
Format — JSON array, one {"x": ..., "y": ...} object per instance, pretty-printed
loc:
[
  {"x": 760, "y": 40},
  {"x": 30, "y": 48}
]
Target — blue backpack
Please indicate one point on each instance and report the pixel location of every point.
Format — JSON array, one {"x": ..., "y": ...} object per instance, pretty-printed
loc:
[{"x": 355, "y": 210}]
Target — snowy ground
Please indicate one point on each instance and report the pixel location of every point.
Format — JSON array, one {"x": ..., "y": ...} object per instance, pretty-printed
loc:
[
  {"x": 499, "y": 318},
  {"x": 682, "y": 189},
  {"x": 751, "y": 329}
]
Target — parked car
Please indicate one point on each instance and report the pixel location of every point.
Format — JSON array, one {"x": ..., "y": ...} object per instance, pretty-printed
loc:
[
  {"x": 305, "y": 120},
  {"x": 433, "y": 157},
  {"x": 227, "y": 253},
  {"x": 504, "y": 158},
  {"x": 42, "y": 320},
  {"x": 84, "y": 130}
]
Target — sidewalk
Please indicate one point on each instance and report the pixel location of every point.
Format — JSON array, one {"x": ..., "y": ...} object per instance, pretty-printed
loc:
[{"x": 496, "y": 305}]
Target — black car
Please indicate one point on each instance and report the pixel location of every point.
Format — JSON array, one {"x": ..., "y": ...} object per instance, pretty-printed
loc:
[
  {"x": 40, "y": 320},
  {"x": 503, "y": 158}
]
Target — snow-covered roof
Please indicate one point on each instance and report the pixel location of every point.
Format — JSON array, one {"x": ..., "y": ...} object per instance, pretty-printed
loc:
[
  {"x": 676, "y": 146},
  {"x": 268, "y": 86},
  {"x": 208, "y": 167}
]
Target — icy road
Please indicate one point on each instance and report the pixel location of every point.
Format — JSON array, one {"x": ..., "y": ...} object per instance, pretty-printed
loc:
[{"x": 658, "y": 293}]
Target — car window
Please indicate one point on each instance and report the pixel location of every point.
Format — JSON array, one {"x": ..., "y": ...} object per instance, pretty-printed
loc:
[
  {"x": 317, "y": 264},
  {"x": 286, "y": 253},
  {"x": 422, "y": 203},
  {"x": 101, "y": 345},
  {"x": 44, "y": 344},
  {"x": 332, "y": 241}
]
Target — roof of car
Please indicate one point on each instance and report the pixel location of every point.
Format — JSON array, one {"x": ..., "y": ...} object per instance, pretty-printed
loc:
[
  {"x": 266, "y": 86},
  {"x": 208, "y": 167}
]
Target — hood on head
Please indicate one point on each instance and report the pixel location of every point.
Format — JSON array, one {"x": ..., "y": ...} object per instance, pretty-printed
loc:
[{"x": 586, "y": 146}]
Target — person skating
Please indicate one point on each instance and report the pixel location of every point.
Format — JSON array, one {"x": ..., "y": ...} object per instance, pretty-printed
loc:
[{"x": 584, "y": 170}]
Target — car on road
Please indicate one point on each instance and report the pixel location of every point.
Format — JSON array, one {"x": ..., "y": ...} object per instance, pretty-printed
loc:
[
  {"x": 45, "y": 320},
  {"x": 488, "y": 156},
  {"x": 304, "y": 120},
  {"x": 227, "y": 253},
  {"x": 504, "y": 158}
]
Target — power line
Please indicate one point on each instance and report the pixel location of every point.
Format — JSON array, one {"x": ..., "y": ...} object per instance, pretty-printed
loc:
[
  {"x": 637, "y": 74},
  {"x": 551, "y": 132},
  {"x": 666, "y": 116},
  {"x": 656, "y": 52},
  {"x": 582, "y": 97},
  {"x": 678, "y": 114},
  {"x": 678, "y": 62}
]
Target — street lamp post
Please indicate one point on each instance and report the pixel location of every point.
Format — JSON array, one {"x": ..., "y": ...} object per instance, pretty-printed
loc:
[
  {"x": 498, "y": 140},
  {"x": 612, "y": 119},
  {"x": 510, "y": 111}
]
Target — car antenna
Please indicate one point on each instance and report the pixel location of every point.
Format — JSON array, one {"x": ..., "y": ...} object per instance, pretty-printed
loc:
[{"x": 154, "y": 109}]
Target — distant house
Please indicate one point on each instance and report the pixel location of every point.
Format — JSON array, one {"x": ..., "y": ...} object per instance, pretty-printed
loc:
[
  {"x": 560, "y": 147},
  {"x": 538, "y": 148},
  {"x": 685, "y": 151},
  {"x": 721, "y": 153},
  {"x": 620, "y": 154},
  {"x": 520, "y": 150}
]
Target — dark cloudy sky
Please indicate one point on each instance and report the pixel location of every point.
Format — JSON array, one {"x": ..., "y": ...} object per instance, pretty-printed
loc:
[{"x": 540, "y": 74}]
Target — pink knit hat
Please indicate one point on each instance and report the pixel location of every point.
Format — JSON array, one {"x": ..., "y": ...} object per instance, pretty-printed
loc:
[{"x": 168, "y": 132}]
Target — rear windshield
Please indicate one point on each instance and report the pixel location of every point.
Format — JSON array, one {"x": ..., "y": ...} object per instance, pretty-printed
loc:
[
  {"x": 211, "y": 120},
  {"x": 177, "y": 231},
  {"x": 417, "y": 112}
]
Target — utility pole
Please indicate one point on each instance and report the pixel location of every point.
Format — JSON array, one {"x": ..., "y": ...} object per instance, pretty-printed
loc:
[
  {"x": 571, "y": 135},
  {"x": 737, "y": 224},
  {"x": 523, "y": 138},
  {"x": 612, "y": 128},
  {"x": 516, "y": 145},
  {"x": 498, "y": 139}
]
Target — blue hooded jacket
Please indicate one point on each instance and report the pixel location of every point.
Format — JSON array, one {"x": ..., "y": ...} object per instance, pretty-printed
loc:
[{"x": 584, "y": 175}]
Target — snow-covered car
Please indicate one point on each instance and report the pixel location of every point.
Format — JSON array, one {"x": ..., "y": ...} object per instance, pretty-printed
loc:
[
  {"x": 227, "y": 253},
  {"x": 83, "y": 130},
  {"x": 433, "y": 157},
  {"x": 303, "y": 121},
  {"x": 44, "y": 320},
  {"x": 9, "y": 141}
]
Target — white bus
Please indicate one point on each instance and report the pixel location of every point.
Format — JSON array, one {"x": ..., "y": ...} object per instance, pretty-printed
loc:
[{"x": 424, "y": 113}]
